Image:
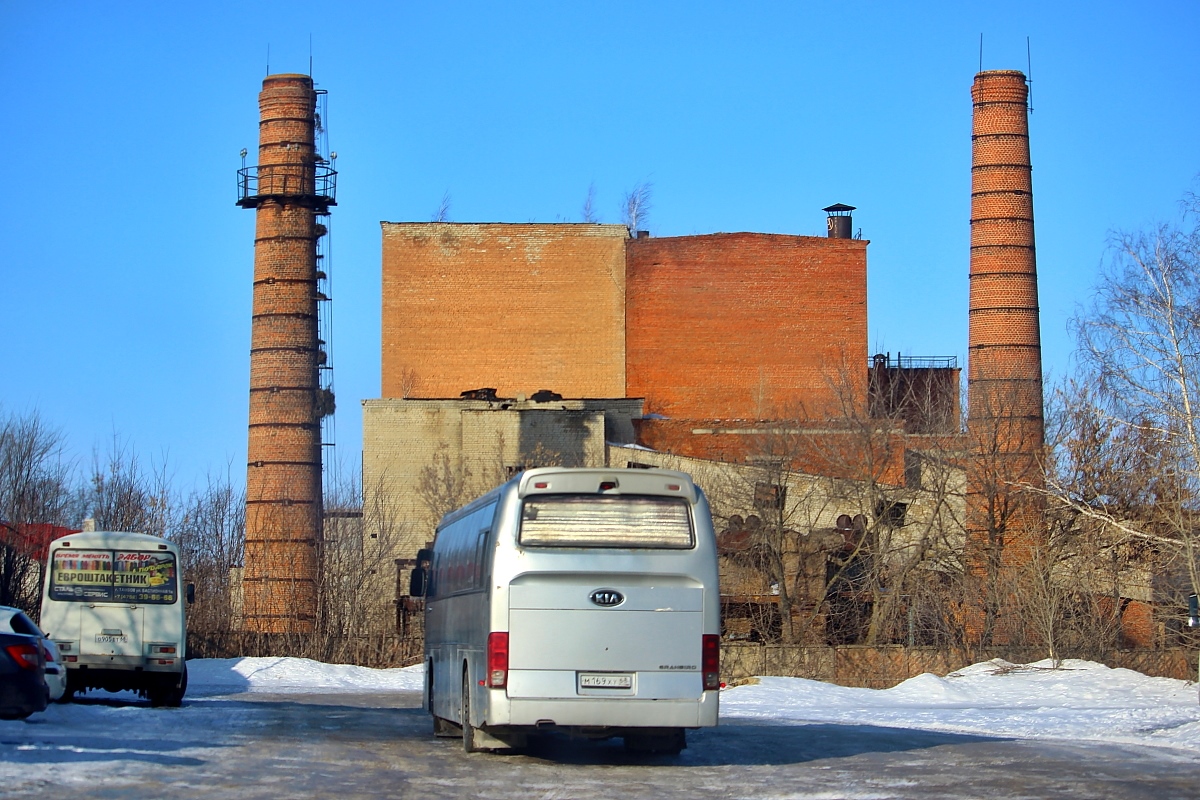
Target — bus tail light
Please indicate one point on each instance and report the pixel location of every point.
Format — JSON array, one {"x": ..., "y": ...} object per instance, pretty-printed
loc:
[
  {"x": 497, "y": 660},
  {"x": 710, "y": 660}
]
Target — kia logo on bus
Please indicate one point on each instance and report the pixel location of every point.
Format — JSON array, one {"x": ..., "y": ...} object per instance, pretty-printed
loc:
[{"x": 606, "y": 597}]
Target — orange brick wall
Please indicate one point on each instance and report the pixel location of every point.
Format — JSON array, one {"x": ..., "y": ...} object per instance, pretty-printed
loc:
[
  {"x": 515, "y": 307},
  {"x": 745, "y": 325}
]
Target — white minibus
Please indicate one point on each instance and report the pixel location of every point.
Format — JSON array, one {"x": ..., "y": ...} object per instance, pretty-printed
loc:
[
  {"x": 112, "y": 605},
  {"x": 576, "y": 600}
]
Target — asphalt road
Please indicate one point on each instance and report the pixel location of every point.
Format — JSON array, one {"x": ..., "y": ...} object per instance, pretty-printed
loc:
[{"x": 352, "y": 746}]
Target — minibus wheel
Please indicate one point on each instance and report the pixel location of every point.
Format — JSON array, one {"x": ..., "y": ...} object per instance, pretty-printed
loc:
[{"x": 169, "y": 696}]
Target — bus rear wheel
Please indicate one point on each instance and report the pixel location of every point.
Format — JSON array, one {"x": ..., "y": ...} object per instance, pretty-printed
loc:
[{"x": 468, "y": 730}]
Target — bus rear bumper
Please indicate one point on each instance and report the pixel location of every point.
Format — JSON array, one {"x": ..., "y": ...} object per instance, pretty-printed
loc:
[{"x": 603, "y": 712}]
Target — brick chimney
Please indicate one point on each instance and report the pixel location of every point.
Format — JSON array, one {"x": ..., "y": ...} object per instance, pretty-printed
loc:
[
  {"x": 283, "y": 477},
  {"x": 1004, "y": 373}
]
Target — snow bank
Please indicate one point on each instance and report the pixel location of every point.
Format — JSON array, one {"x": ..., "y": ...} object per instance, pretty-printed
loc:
[
  {"x": 297, "y": 675},
  {"x": 1079, "y": 700}
]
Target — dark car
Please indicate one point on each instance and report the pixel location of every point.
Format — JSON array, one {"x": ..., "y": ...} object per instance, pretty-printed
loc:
[{"x": 22, "y": 676}]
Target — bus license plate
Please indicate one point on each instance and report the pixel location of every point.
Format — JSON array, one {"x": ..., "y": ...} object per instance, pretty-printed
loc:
[{"x": 605, "y": 681}]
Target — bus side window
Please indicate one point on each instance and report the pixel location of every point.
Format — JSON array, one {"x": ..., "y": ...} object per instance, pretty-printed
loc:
[{"x": 480, "y": 555}]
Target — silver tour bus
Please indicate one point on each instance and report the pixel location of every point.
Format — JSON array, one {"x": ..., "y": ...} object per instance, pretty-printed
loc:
[{"x": 576, "y": 600}]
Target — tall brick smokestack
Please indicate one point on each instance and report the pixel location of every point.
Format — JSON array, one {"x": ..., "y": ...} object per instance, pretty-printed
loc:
[
  {"x": 1004, "y": 374},
  {"x": 283, "y": 477}
]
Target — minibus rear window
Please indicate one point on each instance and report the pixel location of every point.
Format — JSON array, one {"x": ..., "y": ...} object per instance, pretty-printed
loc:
[{"x": 606, "y": 521}]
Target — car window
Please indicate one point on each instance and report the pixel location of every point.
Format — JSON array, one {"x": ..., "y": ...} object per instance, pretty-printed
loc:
[{"x": 13, "y": 620}]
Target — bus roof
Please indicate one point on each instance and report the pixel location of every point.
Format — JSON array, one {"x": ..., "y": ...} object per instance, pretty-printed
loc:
[{"x": 606, "y": 480}]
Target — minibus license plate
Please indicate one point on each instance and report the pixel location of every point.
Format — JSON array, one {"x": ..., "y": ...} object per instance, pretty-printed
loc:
[{"x": 605, "y": 681}]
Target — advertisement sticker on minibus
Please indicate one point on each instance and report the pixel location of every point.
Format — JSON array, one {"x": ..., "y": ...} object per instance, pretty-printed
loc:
[{"x": 114, "y": 576}]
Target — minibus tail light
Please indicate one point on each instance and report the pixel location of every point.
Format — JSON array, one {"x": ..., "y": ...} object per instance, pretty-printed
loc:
[
  {"x": 710, "y": 660},
  {"x": 497, "y": 660}
]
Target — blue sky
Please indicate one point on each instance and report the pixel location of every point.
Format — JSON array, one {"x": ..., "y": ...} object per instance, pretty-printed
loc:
[{"x": 128, "y": 266}]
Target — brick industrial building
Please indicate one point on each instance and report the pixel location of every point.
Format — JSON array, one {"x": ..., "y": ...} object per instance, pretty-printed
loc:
[
  {"x": 506, "y": 345},
  {"x": 703, "y": 327}
]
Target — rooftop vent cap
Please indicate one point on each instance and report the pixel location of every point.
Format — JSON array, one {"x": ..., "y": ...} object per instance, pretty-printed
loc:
[{"x": 839, "y": 221}]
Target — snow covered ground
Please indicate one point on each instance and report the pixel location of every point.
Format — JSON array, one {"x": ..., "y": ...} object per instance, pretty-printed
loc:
[
  {"x": 1077, "y": 701},
  {"x": 209, "y": 676},
  {"x": 256, "y": 728}
]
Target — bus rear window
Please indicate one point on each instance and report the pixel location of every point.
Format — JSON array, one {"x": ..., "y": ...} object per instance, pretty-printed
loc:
[
  {"x": 606, "y": 521},
  {"x": 118, "y": 576}
]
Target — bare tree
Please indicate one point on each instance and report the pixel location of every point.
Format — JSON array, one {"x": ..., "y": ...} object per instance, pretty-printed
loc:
[
  {"x": 442, "y": 213},
  {"x": 903, "y": 541},
  {"x": 358, "y": 570},
  {"x": 850, "y": 550},
  {"x": 211, "y": 534},
  {"x": 1004, "y": 519},
  {"x": 1131, "y": 464},
  {"x": 36, "y": 491},
  {"x": 444, "y": 485},
  {"x": 589, "y": 204},
  {"x": 410, "y": 382},
  {"x": 635, "y": 206},
  {"x": 123, "y": 496}
]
